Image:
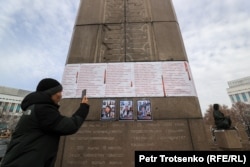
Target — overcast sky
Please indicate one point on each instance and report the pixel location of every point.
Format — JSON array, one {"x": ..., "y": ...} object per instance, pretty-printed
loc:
[{"x": 35, "y": 36}]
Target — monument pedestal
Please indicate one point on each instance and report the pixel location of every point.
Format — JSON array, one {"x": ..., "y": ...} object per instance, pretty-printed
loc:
[{"x": 228, "y": 139}]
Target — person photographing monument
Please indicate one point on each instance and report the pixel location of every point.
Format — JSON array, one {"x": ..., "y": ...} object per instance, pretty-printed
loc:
[{"x": 36, "y": 136}]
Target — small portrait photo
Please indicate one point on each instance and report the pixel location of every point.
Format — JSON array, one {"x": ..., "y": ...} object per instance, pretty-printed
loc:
[
  {"x": 144, "y": 110},
  {"x": 108, "y": 110},
  {"x": 126, "y": 110}
]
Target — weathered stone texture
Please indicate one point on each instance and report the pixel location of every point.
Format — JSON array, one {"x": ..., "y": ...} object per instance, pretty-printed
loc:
[
  {"x": 115, "y": 142},
  {"x": 109, "y": 31}
]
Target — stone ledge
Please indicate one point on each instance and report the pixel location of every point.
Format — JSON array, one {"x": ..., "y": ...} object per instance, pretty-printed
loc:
[{"x": 228, "y": 139}]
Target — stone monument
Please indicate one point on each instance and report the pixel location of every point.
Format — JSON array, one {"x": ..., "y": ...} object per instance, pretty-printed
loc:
[{"x": 119, "y": 34}]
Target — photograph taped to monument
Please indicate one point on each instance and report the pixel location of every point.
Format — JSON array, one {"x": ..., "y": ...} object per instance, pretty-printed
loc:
[
  {"x": 126, "y": 110},
  {"x": 144, "y": 110},
  {"x": 108, "y": 109}
]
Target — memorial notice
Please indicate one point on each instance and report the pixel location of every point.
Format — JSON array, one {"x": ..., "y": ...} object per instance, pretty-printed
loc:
[{"x": 141, "y": 79}]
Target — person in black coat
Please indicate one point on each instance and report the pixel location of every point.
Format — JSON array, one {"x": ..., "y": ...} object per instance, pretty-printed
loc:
[
  {"x": 221, "y": 121},
  {"x": 36, "y": 137}
]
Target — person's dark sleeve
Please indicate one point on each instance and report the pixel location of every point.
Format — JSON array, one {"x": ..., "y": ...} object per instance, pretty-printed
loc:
[{"x": 51, "y": 121}]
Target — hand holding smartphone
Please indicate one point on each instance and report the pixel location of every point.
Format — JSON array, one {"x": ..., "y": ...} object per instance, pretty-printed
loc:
[
  {"x": 84, "y": 92},
  {"x": 84, "y": 97}
]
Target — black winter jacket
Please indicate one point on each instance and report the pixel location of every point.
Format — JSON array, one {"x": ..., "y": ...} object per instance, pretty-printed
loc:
[{"x": 36, "y": 137}]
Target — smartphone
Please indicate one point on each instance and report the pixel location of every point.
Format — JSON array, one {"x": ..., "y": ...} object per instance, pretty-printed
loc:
[{"x": 84, "y": 92}]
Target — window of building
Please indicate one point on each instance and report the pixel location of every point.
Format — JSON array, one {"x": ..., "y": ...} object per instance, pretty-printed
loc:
[
  {"x": 237, "y": 97},
  {"x": 18, "y": 109},
  {"x": 3, "y": 103},
  {"x": 232, "y": 98},
  {"x": 12, "y": 107},
  {"x": 5, "y": 106},
  {"x": 244, "y": 96}
]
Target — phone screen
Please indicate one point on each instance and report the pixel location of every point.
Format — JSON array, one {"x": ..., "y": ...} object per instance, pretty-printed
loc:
[{"x": 84, "y": 92}]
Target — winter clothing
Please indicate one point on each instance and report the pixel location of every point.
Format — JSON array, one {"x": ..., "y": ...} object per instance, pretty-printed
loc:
[
  {"x": 36, "y": 137},
  {"x": 49, "y": 86}
]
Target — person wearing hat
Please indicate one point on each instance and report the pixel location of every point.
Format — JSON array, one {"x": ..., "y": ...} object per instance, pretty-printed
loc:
[{"x": 36, "y": 136}]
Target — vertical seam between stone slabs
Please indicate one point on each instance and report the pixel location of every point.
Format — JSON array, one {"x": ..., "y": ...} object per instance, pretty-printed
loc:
[
  {"x": 62, "y": 152},
  {"x": 190, "y": 134}
]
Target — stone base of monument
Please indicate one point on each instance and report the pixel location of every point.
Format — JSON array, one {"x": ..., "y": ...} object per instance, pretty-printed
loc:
[{"x": 228, "y": 139}]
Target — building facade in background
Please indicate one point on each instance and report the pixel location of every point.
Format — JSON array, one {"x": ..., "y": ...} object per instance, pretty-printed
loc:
[
  {"x": 239, "y": 90},
  {"x": 10, "y": 102},
  {"x": 10, "y": 112}
]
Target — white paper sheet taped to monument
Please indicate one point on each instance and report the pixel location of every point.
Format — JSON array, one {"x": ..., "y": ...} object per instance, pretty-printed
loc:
[{"x": 133, "y": 79}]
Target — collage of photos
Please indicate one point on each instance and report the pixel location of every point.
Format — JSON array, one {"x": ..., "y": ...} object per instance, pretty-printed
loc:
[
  {"x": 126, "y": 110},
  {"x": 108, "y": 110}
]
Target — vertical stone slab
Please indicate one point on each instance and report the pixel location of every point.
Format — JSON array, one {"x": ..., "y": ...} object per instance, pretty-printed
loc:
[
  {"x": 111, "y": 43},
  {"x": 90, "y": 12},
  {"x": 138, "y": 11},
  {"x": 83, "y": 44},
  {"x": 140, "y": 45},
  {"x": 172, "y": 108},
  {"x": 169, "y": 43},
  {"x": 113, "y": 143},
  {"x": 162, "y": 11},
  {"x": 111, "y": 31},
  {"x": 198, "y": 133},
  {"x": 137, "y": 39},
  {"x": 114, "y": 12}
]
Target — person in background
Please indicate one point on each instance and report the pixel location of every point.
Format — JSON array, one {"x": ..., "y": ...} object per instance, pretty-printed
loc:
[
  {"x": 221, "y": 121},
  {"x": 36, "y": 136}
]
